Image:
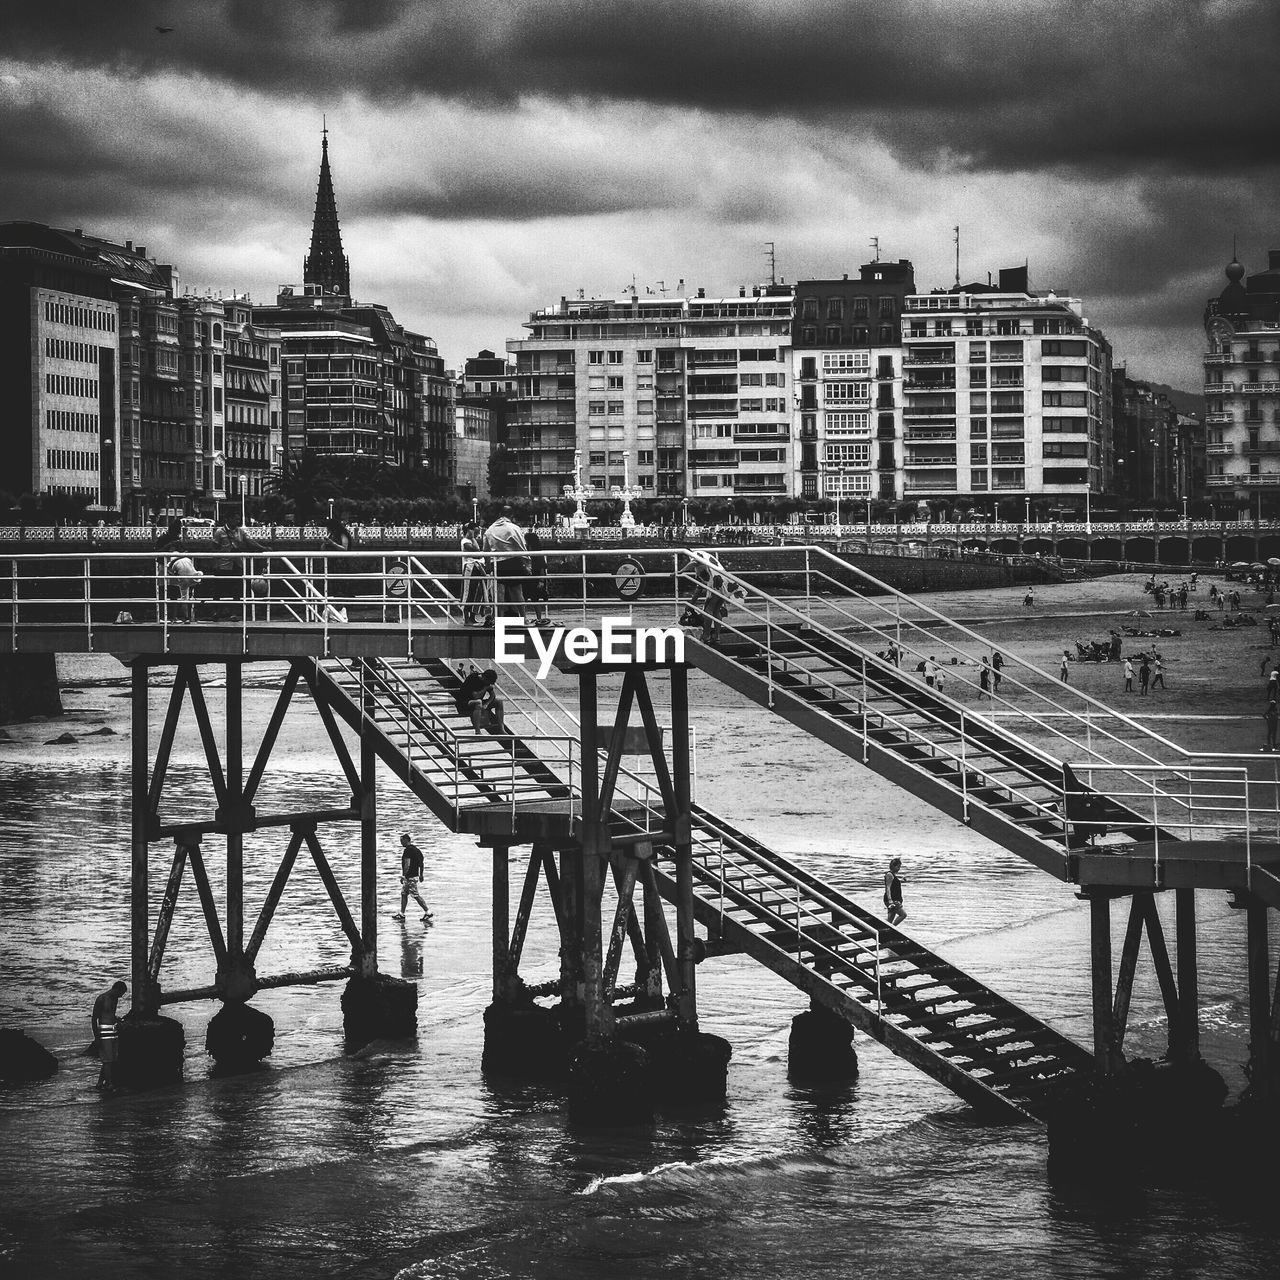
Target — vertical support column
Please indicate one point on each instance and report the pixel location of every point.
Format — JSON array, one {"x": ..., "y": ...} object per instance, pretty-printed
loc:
[
  {"x": 686, "y": 997},
  {"x": 1188, "y": 1046},
  {"x": 139, "y": 901},
  {"x": 593, "y": 840},
  {"x": 234, "y": 816},
  {"x": 1260, "y": 1050},
  {"x": 501, "y": 921},
  {"x": 368, "y": 800},
  {"x": 1100, "y": 959}
]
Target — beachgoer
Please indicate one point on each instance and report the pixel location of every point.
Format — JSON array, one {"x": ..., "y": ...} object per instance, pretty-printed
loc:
[
  {"x": 1064, "y": 668},
  {"x": 1128, "y": 675},
  {"x": 931, "y": 672},
  {"x": 1029, "y": 600},
  {"x": 505, "y": 538},
  {"x": 474, "y": 610},
  {"x": 536, "y": 590},
  {"x": 487, "y": 708},
  {"x": 997, "y": 666},
  {"x": 939, "y": 678},
  {"x": 893, "y": 893},
  {"x": 411, "y": 868},
  {"x": 1144, "y": 674},
  {"x": 1272, "y": 717},
  {"x": 1157, "y": 676},
  {"x": 231, "y": 545},
  {"x": 984, "y": 680},
  {"x": 106, "y": 1034}
]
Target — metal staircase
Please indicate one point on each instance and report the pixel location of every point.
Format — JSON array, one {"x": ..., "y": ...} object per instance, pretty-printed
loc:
[{"x": 951, "y": 1026}]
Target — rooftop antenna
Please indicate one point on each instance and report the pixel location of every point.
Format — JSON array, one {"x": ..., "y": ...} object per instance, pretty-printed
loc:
[
  {"x": 773, "y": 261},
  {"x": 957, "y": 231},
  {"x": 324, "y": 127},
  {"x": 875, "y": 248}
]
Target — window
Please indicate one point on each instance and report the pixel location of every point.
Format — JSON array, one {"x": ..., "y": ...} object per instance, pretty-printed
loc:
[
  {"x": 751, "y": 380},
  {"x": 595, "y": 406},
  {"x": 752, "y": 406},
  {"x": 809, "y": 309},
  {"x": 596, "y": 458},
  {"x": 832, "y": 334},
  {"x": 808, "y": 366},
  {"x": 885, "y": 308},
  {"x": 713, "y": 430},
  {"x": 595, "y": 357},
  {"x": 846, "y": 362},
  {"x": 978, "y": 453},
  {"x": 644, "y": 356},
  {"x": 1053, "y": 348},
  {"x": 918, "y": 329},
  {"x": 848, "y": 455},
  {"x": 835, "y": 308},
  {"x": 809, "y": 334},
  {"x": 1064, "y": 373},
  {"x": 644, "y": 458},
  {"x": 848, "y": 392},
  {"x": 861, "y": 307},
  {"x": 596, "y": 383},
  {"x": 774, "y": 405},
  {"x": 1053, "y": 425},
  {"x": 615, "y": 383},
  {"x": 615, "y": 357},
  {"x": 977, "y": 352},
  {"x": 1066, "y": 399},
  {"x": 848, "y": 424},
  {"x": 616, "y": 406},
  {"x": 644, "y": 408},
  {"x": 775, "y": 379}
]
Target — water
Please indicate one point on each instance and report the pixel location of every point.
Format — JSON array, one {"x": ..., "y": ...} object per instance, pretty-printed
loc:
[{"x": 404, "y": 1161}]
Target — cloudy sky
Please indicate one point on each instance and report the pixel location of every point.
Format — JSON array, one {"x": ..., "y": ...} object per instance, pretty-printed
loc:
[{"x": 492, "y": 155}]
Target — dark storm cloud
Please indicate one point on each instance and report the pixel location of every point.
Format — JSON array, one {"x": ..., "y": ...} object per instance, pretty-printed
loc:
[{"x": 1090, "y": 85}]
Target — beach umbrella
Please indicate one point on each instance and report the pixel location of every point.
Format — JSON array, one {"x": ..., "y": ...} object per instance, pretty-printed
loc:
[
  {"x": 1138, "y": 613},
  {"x": 1257, "y": 564},
  {"x": 1239, "y": 564},
  {"x": 1271, "y": 607},
  {"x": 1274, "y": 561}
]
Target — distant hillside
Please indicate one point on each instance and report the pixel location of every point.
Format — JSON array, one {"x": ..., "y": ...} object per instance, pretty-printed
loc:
[{"x": 1183, "y": 401}]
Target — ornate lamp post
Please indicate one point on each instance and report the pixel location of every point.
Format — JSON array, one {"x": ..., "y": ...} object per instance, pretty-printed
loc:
[
  {"x": 628, "y": 493},
  {"x": 579, "y": 493}
]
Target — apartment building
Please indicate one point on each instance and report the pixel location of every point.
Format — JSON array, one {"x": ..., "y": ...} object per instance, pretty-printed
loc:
[
  {"x": 678, "y": 396},
  {"x": 847, "y": 365},
  {"x": 232, "y": 393},
  {"x": 1242, "y": 384},
  {"x": 1005, "y": 393}
]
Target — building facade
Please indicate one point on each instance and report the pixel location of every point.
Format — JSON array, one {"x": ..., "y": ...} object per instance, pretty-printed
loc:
[
  {"x": 677, "y": 396},
  {"x": 356, "y": 383},
  {"x": 472, "y": 449},
  {"x": 1242, "y": 386},
  {"x": 1006, "y": 394},
  {"x": 847, "y": 365}
]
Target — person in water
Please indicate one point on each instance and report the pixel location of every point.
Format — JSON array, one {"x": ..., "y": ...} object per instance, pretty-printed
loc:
[{"x": 893, "y": 893}]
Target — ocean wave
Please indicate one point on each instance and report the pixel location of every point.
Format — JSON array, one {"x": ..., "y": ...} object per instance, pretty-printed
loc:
[{"x": 681, "y": 1172}]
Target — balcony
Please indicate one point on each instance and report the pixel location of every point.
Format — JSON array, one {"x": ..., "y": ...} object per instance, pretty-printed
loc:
[
  {"x": 929, "y": 433},
  {"x": 1261, "y": 446},
  {"x": 1220, "y": 418},
  {"x": 915, "y": 360},
  {"x": 1253, "y": 418},
  {"x": 1218, "y": 388},
  {"x": 1007, "y": 358},
  {"x": 941, "y": 384},
  {"x": 1224, "y": 446},
  {"x": 544, "y": 370},
  {"x": 930, "y": 460},
  {"x": 1261, "y": 388},
  {"x": 1218, "y": 357},
  {"x": 1268, "y": 480}
]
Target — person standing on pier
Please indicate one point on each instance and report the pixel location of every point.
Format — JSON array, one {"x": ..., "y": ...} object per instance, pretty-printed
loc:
[
  {"x": 505, "y": 538},
  {"x": 410, "y": 875},
  {"x": 231, "y": 545},
  {"x": 106, "y": 1034},
  {"x": 893, "y": 893},
  {"x": 1128, "y": 675}
]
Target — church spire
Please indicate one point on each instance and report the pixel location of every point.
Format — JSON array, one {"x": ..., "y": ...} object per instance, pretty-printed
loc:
[{"x": 326, "y": 264}]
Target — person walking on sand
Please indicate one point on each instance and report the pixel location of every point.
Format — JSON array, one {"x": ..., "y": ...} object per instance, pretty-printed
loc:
[
  {"x": 1029, "y": 600},
  {"x": 997, "y": 666},
  {"x": 893, "y": 893},
  {"x": 1128, "y": 675},
  {"x": 410, "y": 876},
  {"x": 1144, "y": 674},
  {"x": 1272, "y": 718},
  {"x": 1064, "y": 670},
  {"x": 984, "y": 680},
  {"x": 106, "y": 1034},
  {"x": 1157, "y": 677}
]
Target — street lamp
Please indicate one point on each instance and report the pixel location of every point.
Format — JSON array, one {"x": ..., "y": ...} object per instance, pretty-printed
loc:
[
  {"x": 330, "y": 510},
  {"x": 1027, "y": 508},
  {"x": 684, "y": 512},
  {"x": 475, "y": 510}
]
